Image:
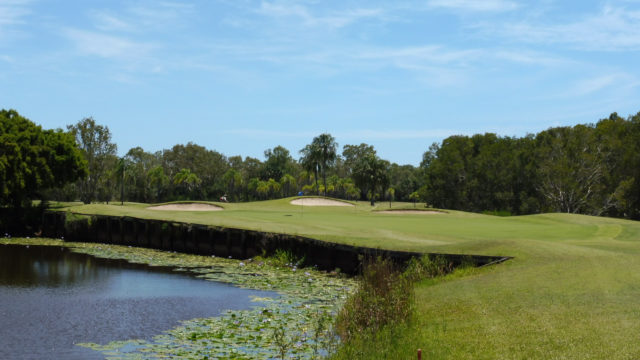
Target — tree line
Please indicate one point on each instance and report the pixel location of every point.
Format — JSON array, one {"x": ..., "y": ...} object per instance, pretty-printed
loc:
[
  {"x": 193, "y": 172},
  {"x": 588, "y": 169}
]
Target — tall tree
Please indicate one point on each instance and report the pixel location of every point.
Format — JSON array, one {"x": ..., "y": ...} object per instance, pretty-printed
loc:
[
  {"x": 572, "y": 170},
  {"x": 310, "y": 161},
  {"x": 278, "y": 161},
  {"x": 32, "y": 159},
  {"x": 371, "y": 174},
  {"x": 288, "y": 184},
  {"x": 95, "y": 142},
  {"x": 326, "y": 146},
  {"x": 189, "y": 181},
  {"x": 233, "y": 180}
]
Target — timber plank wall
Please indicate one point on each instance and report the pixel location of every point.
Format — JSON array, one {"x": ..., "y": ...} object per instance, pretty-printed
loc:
[{"x": 225, "y": 242}]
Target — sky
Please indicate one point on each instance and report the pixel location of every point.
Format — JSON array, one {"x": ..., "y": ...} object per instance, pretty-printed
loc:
[{"x": 240, "y": 76}]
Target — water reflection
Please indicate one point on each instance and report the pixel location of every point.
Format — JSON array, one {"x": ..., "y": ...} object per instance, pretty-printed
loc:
[
  {"x": 51, "y": 298},
  {"x": 30, "y": 266}
]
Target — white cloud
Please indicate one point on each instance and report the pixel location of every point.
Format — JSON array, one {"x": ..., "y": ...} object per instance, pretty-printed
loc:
[
  {"x": 611, "y": 29},
  {"x": 334, "y": 20},
  {"x": 144, "y": 16},
  {"x": 262, "y": 133},
  {"x": 528, "y": 57},
  {"x": 388, "y": 134},
  {"x": 108, "y": 22},
  {"x": 161, "y": 12},
  {"x": 107, "y": 46},
  {"x": 12, "y": 12},
  {"x": 412, "y": 56},
  {"x": 599, "y": 83},
  {"x": 474, "y": 5}
]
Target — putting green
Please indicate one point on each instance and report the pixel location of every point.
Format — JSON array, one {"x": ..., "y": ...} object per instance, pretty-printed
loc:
[{"x": 572, "y": 290}]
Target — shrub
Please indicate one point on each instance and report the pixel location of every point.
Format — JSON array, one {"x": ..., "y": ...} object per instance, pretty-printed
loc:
[
  {"x": 427, "y": 267},
  {"x": 285, "y": 258},
  {"x": 385, "y": 296}
]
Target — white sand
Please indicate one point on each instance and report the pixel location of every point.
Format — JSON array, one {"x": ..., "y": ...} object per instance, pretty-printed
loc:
[
  {"x": 186, "y": 207},
  {"x": 421, "y": 212},
  {"x": 319, "y": 202}
]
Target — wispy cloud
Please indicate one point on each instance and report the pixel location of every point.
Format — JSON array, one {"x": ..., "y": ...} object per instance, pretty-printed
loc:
[
  {"x": 107, "y": 46},
  {"x": 528, "y": 57},
  {"x": 390, "y": 134},
  {"x": 612, "y": 29},
  {"x": 333, "y": 20},
  {"x": 419, "y": 54},
  {"x": 141, "y": 17},
  {"x": 262, "y": 133},
  {"x": 13, "y": 11},
  {"x": 598, "y": 83},
  {"x": 160, "y": 13},
  {"x": 474, "y": 5},
  {"x": 106, "y": 21}
]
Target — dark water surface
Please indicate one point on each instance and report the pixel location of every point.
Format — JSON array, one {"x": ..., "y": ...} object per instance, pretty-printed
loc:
[{"x": 51, "y": 299}]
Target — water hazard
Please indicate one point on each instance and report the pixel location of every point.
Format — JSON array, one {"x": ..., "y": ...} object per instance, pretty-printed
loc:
[{"x": 52, "y": 298}]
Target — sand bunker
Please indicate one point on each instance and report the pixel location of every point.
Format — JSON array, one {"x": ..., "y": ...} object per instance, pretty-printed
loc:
[
  {"x": 319, "y": 202},
  {"x": 420, "y": 212},
  {"x": 186, "y": 207}
]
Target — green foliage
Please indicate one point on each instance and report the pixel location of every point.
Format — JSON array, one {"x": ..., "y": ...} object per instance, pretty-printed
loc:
[
  {"x": 428, "y": 267},
  {"x": 95, "y": 143},
  {"x": 284, "y": 258},
  {"x": 588, "y": 169},
  {"x": 278, "y": 162},
  {"x": 188, "y": 181},
  {"x": 32, "y": 159},
  {"x": 503, "y": 213},
  {"x": 547, "y": 302},
  {"x": 370, "y": 173},
  {"x": 385, "y": 297}
]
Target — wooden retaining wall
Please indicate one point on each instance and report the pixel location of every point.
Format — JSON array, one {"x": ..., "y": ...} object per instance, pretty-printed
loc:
[{"x": 225, "y": 242}]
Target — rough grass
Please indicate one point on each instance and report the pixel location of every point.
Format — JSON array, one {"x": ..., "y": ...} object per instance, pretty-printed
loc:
[{"x": 571, "y": 292}]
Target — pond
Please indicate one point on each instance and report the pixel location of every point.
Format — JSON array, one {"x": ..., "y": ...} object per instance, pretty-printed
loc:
[{"x": 52, "y": 298}]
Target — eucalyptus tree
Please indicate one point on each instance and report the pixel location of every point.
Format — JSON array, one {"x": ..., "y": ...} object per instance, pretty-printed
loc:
[
  {"x": 209, "y": 165},
  {"x": 95, "y": 143},
  {"x": 278, "y": 161},
  {"x": 353, "y": 153},
  {"x": 572, "y": 169}
]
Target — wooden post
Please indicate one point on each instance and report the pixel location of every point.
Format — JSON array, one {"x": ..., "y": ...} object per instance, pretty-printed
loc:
[{"x": 419, "y": 354}]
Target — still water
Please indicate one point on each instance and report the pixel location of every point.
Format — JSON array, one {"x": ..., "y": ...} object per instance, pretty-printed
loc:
[{"x": 51, "y": 299}]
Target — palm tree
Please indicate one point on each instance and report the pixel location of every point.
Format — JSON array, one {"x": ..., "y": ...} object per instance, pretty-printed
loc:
[
  {"x": 325, "y": 145},
  {"x": 310, "y": 160},
  {"x": 319, "y": 156},
  {"x": 233, "y": 180},
  {"x": 287, "y": 182},
  {"x": 188, "y": 180}
]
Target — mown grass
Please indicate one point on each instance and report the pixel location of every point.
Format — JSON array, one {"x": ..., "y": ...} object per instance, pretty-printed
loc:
[{"x": 571, "y": 292}]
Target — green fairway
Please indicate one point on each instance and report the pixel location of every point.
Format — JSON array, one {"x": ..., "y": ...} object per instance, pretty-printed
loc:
[{"x": 571, "y": 291}]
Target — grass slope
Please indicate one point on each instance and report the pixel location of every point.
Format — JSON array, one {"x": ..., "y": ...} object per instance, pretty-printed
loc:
[{"x": 572, "y": 291}]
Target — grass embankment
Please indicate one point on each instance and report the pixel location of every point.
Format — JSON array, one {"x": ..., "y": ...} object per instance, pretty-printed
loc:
[{"x": 571, "y": 291}]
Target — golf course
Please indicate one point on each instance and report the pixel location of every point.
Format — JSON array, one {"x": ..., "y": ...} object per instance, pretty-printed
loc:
[{"x": 571, "y": 290}]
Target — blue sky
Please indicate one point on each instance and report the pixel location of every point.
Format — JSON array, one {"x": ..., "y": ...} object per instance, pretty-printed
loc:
[{"x": 242, "y": 76}]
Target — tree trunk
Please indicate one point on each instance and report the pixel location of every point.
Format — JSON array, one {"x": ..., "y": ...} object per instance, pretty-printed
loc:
[
  {"x": 316, "y": 176},
  {"x": 324, "y": 181}
]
